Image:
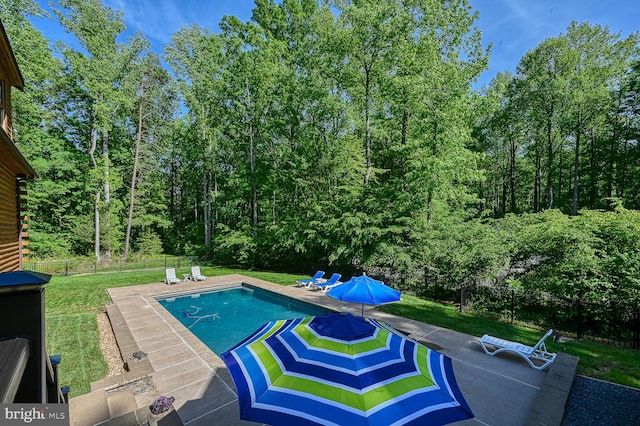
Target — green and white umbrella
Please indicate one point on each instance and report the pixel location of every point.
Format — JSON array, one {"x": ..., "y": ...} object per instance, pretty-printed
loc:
[{"x": 339, "y": 369}]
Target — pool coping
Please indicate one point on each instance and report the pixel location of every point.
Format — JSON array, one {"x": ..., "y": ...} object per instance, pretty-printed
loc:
[
  {"x": 183, "y": 367},
  {"x": 299, "y": 308}
]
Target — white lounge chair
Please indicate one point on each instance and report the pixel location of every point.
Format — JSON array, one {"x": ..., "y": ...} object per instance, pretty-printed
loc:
[
  {"x": 171, "y": 276},
  {"x": 309, "y": 281},
  {"x": 327, "y": 285},
  {"x": 196, "y": 275},
  {"x": 537, "y": 353}
]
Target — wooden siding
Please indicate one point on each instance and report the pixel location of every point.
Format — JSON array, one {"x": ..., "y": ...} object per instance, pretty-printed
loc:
[
  {"x": 10, "y": 241},
  {"x": 8, "y": 64},
  {"x": 11, "y": 76},
  {"x": 5, "y": 115},
  {"x": 14, "y": 168}
]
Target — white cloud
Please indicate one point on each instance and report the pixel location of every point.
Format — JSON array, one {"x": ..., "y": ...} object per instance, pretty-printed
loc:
[
  {"x": 157, "y": 19},
  {"x": 160, "y": 19}
]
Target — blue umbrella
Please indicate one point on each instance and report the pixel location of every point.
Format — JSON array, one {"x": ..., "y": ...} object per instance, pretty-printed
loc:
[
  {"x": 365, "y": 290},
  {"x": 339, "y": 369}
]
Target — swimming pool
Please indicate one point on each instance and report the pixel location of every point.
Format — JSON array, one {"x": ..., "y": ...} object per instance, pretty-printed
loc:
[{"x": 223, "y": 318}]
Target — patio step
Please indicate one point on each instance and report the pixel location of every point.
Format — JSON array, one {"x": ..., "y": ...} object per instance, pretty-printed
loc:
[
  {"x": 112, "y": 400},
  {"x": 143, "y": 370},
  {"x": 143, "y": 416},
  {"x": 136, "y": 367},
  {"x": 119, "y": 408},
  {"x": 124, "y": 338},
  {"x": 121, "y": 402},
  {"x": 89, "y": 409}
]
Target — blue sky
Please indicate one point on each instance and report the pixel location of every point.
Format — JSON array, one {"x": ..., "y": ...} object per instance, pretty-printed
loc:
[{"x": 513, "y": 26}]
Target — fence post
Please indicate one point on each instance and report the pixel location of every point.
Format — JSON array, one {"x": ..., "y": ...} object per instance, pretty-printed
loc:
[
  {"x": 178, "y": 263},
  {"x": 512, "y": 304},
  {"x": 636, "y": 328},
  {"x": 66, "y": 268},
  {"x": 579, "y": 330},
  {"x": 461, "y": 296},
  {"x": 165, "y": 262}
]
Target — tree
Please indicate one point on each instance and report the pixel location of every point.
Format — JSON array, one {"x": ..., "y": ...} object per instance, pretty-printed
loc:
[
  {"x": 566, "y": 99},
  {"x": 99, "y": 69},
  {"x": 598, "y": 60},
  {"x": 543, "y": 75},
  {"x": 365, "y": 32},
  {"x": 195, "y": 56},
  {"x": 155, "y": 108},
  {"x": 56, "y": 197}
]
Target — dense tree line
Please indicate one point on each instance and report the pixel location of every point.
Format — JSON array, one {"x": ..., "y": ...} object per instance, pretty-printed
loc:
[
  {"x": 341, "y": 132},
  {"x": 562, "y": 132}
]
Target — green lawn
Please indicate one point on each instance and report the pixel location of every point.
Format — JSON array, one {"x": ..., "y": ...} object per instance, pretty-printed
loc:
[
  {"x": 71, "y": 307},
  {"x": 597, "y": 360},
  {"x": 73, "y": 302}
]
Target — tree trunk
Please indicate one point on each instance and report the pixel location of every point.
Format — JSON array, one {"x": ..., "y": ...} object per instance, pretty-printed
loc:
[
  {"x": 505, "y": 185},
  {"x": 215, "y": 201},
  {"x": 254, "y": 189},
  {"x": 172, "y": 179},
  {"x": 107, "y": 194},
  {"x": 622, "y": 185},
  {"x": 593, "y": 193},
  {"x": 560, "y": 166},
  {"x": 405, "y": 125},
  {"x": 549, "y": 165},
  {"x": 612, "y": 160},
  {"x": 538, "y": 181},
  {"x": 252, "y": 160},
  {"x": 134, "y": 174},
  {"x": 367, "y": 124},
  {"x": 206, "y": 188},
  {"x": 512, "y": 173},
  {"x": 576, "y": 175},
  {"x": 92, "y": 152}
]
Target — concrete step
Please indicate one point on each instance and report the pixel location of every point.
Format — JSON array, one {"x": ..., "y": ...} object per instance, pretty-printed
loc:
[
  {"x": 127, "y": 344},
  {"x": 121, "y": 402},
  {"x": 124, "y": 338},
  {"x": 142, "y": 371},
  {"x": 170, "y": 418},
  {"x": 89, "y": 409},
  {"x": 143, "y": 416}
]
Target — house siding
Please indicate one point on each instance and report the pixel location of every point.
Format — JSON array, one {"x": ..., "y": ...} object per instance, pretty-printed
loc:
[{"x": 10, "y": 241}]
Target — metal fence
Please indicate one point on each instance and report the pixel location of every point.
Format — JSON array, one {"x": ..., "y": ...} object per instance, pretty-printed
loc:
[
  {"x": 613, "y": 323},
  {"x": 616, "y": 323},
  {"x": 607, "y": 322},
  {"x": 87, "y": 266}
]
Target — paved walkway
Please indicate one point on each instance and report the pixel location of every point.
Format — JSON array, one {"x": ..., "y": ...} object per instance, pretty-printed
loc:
[{"x": 500, "y": 390}]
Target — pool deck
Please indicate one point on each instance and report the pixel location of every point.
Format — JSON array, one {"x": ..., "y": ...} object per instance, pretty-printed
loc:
[{"x": 500, "y": 390}]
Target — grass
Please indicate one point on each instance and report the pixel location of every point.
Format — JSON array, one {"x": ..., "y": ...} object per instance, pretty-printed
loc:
[
  {"x": 76, "y": 338},
  {"x": 73, "y": 302},
  {"x": 605, "y": 362}
]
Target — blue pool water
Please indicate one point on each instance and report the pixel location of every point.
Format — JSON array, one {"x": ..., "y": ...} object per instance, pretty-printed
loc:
[{"x": 221, "y": 319}]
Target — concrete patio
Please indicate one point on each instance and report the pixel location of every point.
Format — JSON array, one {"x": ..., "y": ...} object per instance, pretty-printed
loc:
[{"x": 500, "y": 390}]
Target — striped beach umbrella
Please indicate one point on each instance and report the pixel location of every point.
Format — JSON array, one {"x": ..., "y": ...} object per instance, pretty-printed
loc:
[{"x": 340, "y": 369}]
